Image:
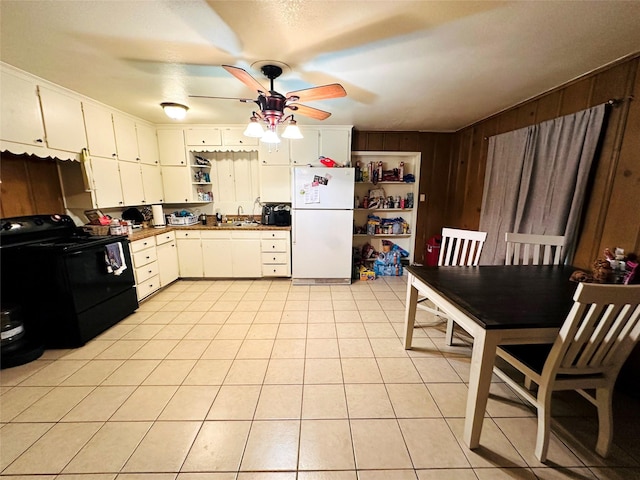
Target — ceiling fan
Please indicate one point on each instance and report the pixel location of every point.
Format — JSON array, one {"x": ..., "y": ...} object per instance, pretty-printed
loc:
[{"x": 273, "y": 104}]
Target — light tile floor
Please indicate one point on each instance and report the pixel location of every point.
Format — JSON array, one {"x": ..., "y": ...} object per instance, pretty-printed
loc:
[{"x": 262, "y": 380}]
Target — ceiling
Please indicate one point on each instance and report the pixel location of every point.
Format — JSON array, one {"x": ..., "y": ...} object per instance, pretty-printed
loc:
[{"x": 406, "y": 65}]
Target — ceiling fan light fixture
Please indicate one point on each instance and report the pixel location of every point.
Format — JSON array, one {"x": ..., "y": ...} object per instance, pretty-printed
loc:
[
  {"x": 254, "y": 129},
  {"x": 292, "y": 131},
  {"x": 270, "y": 136},
  {"x": 175, "y": 111}
]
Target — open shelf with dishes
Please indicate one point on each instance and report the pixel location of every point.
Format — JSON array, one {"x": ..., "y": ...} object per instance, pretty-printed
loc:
[
  {"x": 385, "y": 200},
  {"x": 200, "y": 171}
]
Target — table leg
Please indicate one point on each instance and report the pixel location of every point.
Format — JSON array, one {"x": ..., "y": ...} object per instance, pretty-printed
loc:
[
  {"x": 482, "y": 361},
  {"x": 410, "y": 312}
]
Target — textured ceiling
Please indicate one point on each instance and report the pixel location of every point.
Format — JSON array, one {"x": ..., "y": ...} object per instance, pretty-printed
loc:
[{"x": 406, "y": 65}]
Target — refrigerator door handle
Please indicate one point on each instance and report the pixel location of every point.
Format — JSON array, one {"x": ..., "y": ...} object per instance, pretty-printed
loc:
[{"x": 293, "y": 230}]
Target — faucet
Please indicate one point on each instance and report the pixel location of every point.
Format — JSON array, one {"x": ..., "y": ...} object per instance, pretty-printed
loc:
[{"x": 240, "y": 210}]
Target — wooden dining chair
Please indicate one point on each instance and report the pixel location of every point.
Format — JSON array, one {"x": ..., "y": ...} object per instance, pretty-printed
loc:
[
  {"x": 594, "y": 341},
  {"x": 529, "y": 249},
  {"x": 458, "y": 248}
]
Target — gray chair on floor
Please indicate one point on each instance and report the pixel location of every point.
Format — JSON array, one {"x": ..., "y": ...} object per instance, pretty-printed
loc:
[
  {"x": 530, "y": 249},
  {"x": 459, "y": 248},
  {"x": 595, "y": 340}
]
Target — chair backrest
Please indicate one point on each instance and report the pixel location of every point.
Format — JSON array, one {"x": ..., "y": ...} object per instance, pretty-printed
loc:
[
  {"x": 529, "y": 249},
  {"x": 599, "y": 332},
  {"x": 461, "y": 247}
]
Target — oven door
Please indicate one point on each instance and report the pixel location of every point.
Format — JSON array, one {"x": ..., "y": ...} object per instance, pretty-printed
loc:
[{"x": 89, "y": 281}]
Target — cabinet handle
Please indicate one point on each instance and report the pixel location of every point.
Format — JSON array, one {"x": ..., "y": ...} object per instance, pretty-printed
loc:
[
  {"x": 149, "y": 271},
  {"x": 137, "y": 159},
  {"x": 114, "y": 155},
  {"x": 147, "y": 257},
  {"x": 273, "y": 246},
  {"x": 38, "y": 140}
]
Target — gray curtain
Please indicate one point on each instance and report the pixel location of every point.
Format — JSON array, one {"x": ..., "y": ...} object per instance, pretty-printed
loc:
[{"x": 536, "y": 179}]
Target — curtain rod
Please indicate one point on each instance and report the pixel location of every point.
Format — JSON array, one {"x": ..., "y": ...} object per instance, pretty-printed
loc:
[{"x": 614, "y": 102}]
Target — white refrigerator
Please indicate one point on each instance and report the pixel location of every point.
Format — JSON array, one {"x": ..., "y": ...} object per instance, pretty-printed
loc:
[{"x": 321, "y": 225}]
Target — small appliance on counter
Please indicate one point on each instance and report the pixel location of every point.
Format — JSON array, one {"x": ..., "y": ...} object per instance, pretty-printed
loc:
[{"x": 278, "y": 214}]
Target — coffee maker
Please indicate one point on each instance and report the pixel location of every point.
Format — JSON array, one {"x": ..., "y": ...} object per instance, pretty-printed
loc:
[{"x": 278, "y": 214}]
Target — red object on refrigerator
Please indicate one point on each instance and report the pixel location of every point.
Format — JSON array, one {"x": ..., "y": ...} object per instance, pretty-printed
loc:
[{"x": 433, "y": 251}]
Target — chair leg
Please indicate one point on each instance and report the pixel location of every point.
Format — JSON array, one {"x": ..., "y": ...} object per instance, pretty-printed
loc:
[
  {"x": 604, "y": 397},
  {"x": 544, "y": 423},
  {"x": 449, "y": 334}
]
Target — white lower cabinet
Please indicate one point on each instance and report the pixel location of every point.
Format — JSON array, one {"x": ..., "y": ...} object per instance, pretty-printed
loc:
[
  {"x": 275, "y": 253},
  {"x": 216, "y": 254},
  {"x": 189, "y": 253},
  {"x": 145, "y": 266},
  {"x": 167, "y": 252},
  {"x": 245, "y": 254}
]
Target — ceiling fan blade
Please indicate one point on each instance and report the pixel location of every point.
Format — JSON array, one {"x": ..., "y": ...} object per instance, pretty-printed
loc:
[
  {"x": 311, "y": 112},
  {"x": 333, "y": 90},
  {"x": 245, "y": 78},
  {"x": 245, "y": 100}
]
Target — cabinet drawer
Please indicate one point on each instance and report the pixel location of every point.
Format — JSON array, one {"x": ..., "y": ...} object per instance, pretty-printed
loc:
[
  {"x": 276, "y": 245},
  {"x": 147, "y": 271},
  {"x": 165, "y": 238},
  {"x": 144, "y": 257},
  {"x": 275, "y": 270},
  {"x": 187, "y": 233},
  {"x": 142, "y": 244},
  {"x": 274, "y": 258},
  {"x": 284, "y": 234},
  {"x": 147, "y": 287},
  {"x": 252, "y": 235}
]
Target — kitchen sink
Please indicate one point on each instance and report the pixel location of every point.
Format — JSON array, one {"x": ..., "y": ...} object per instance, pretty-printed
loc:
[{"x": 246, "y": 224}]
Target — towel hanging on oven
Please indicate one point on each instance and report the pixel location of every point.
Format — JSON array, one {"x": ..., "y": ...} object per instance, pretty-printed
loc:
[{"x": 114, "y": 258}]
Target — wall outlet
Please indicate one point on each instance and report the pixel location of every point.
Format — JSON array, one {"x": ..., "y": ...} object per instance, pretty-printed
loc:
[{"x": 423, "y": 197}]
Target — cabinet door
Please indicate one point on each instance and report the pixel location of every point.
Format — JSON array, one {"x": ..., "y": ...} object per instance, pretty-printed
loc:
[
  {"x": 99, "y": 126},
  {"x": 190, "y": 257},
  {"x": 147, "y": 144},
  {"x": 131, "y": 181},
  {"x": 126, "y": 139},
  {"x": 305, "y": 151},
  {"x": 176, "y": 184},
  {"x": 168, "y": 266},
  {"x": 152, "y": 184},
  {"x": 106, "y": 182},
  {"x": 216, "y": 256},
  {"x": 246, "y": 258},
  {"x": 63, "y": 121},
  {"x": 275, "y": 184},
  {"x": 234, "y": 137},
  {"x": 21, "y": 119},
  {"x": 171, "y": 147},
  {"x": 270, "y": 154},
  {"x": 203, "y": 136},
  {"x": 336, "y": 144}
]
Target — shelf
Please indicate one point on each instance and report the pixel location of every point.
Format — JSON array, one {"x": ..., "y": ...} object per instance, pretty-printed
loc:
[
  {"x": 201, "y": 183},
  {"x": 385, "y": 181},
  {"x": 400, "y": 235},
  {"x": 383, "y": 209}
]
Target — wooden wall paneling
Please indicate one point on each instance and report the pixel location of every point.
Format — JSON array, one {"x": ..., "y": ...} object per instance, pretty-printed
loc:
[
  {"x": 358, "y": 141},
  {"x": 549, "y": 107},
  {"x": 622, "y": 220},
  {"x": 15, "y": 194},
  {"x": 475, "y": 179},
  {"x": 375, "y": 141},
  {"x": 457, "y": 193},
  {"x": 576, "y": 97},
  {"x": 526, "y": 114},
  {"x": 391, "y": 142},
  {"x": 410, "y": 141},
  {"x": 597, "y": 207},
  {"x": 507, "y": 121},
  {"x": 45, "y": 186}
]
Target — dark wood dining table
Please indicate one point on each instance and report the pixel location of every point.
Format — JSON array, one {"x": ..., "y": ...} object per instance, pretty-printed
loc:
[{"x": 496, "y": 305}]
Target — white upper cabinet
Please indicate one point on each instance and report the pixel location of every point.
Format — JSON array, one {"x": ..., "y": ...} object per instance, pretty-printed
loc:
[
  {"x": 99, "y": 126},
  {"x": 305, "y": 151},
  {"x": 171, "y": 147},
  {"x": 147, "y": 144},
  {"x": 21, "y": 118},
  {"x": 203, "y": 137},
  {"x": 234, "y": 137},
  {"x": 152, "y": 184},
  {"x": 270, "y": 154},
  {"x": 336, "y": 144},
  {"x": 106, "y": 183},
  {"x": 63, "y": 121},
  {"x": 131, "y": 181},
  {"x": 126, "y": 139}
]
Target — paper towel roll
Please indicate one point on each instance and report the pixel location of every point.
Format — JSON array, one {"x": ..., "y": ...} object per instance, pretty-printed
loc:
[{"x": 158, "y": 216}]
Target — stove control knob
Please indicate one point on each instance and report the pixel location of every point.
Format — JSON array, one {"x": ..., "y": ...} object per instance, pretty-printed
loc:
[{"x": 56, "y": 218}]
